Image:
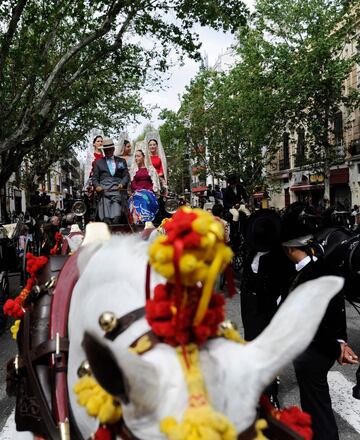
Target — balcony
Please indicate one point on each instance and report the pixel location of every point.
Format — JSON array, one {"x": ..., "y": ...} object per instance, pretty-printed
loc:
[
  {"x": 300, "y": 160},
  {"x": 354, "y": 148},
  {"x": 284, "y": 164},
  {"x": 195, "y": 170},
  {"x": 68, "y": 183},
  {"x": 339, "y": 149},
  {"x": 199, "y": 183}
]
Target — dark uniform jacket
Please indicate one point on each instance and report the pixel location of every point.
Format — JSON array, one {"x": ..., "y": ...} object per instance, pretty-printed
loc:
[
  {"x": 101, "y": 171},
  {"x": 273, "y": 278},
  {"x": 333, "y": 325},
  {"x": 260, "y": 291},
  {"x": 230, "y": 198}
]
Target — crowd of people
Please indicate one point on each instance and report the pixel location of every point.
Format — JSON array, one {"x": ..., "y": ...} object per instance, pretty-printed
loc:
[
  {"x": 278, "y": 252},
  {"x": 122, "y": 188},
  {"x": 127, "y": 184},
  {"x": 277, "y": 256}
]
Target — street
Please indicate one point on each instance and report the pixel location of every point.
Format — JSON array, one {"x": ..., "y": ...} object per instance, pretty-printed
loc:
[{"x": 341, "y": 379}]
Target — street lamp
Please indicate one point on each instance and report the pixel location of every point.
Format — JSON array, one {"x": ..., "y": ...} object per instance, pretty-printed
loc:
[{"x": 187, "y": 195}]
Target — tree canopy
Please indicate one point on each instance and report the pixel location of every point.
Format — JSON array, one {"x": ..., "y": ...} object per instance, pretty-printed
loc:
[
  {"x": 73, "y": 65},
  {"x": 289, "y": 74}
]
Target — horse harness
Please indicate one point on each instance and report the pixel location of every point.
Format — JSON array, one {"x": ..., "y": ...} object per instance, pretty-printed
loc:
[{"x": 38, "y": 375}]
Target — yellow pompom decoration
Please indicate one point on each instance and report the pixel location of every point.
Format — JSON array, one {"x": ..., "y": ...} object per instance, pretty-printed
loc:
[
  {"x": 211, "y": 244},
  {"x": 204, "y": 254},
  {"x": 260, "y": 425},
  {"x": 97, "y": 401},
  {"x": 201, "y": 421},
  {"x": 15, "y": 328}
]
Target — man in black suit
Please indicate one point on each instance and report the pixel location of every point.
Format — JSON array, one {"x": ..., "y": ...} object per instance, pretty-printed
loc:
[
  {"x": 265, "y": 278},
  {"x": 110, "y": 179},
  {"x": 267, "y": 272},
  {"x": 329, "y": 343},
  {"x": 234, "y": 193}
]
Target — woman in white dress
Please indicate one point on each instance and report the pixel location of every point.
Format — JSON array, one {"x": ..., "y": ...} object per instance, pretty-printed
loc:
[
  {"x": 124, "y": 149},
  {"x": 157, "y": 156}
]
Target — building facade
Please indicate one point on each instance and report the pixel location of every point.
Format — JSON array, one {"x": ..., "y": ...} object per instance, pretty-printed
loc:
[
  {"x": 290, "y": 180},
  {"x": 63, "y": 182}
]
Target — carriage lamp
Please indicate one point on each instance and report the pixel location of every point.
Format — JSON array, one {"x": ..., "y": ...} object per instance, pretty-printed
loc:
[
  {"x": 108, "y": 321},
  {"x": 84, "y": 369}
]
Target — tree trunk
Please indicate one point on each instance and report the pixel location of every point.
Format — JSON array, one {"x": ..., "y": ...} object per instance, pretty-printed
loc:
[
  {"x": 327, "y": 183},
  {"x": 5, "y": 218}
]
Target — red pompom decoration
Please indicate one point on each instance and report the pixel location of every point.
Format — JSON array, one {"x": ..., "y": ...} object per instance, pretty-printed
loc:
[
  {"x": 13, "y": 307},
  {"x": 58, "y": 239},
  {"x": 293, "y": 417},
  {"x": 103, "y": 433},
  {"x": 180, "y": 226},
  {"x": 175, "y": 326}
]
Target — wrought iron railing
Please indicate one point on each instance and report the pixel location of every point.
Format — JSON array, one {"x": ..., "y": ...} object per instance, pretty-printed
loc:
[
  {"x": 284, "y": 164},
  {"x": 354, "y": 148}
]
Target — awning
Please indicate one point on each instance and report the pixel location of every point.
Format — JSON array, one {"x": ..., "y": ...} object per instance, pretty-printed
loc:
[
  {"x": 339, "y": 176},
  {"x": 198, "y": 189},
  {"x": 258, "y": 195},
  {"x": 307, "y": 187}
]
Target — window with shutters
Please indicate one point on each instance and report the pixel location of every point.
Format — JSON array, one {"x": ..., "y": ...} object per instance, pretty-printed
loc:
[
  {"x": 284, "y": 163},
  {"x": 300, "y": 148},
  {"x": 338, "y": 128}
]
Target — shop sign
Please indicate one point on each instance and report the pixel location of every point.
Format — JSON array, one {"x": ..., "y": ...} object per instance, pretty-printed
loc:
[{"x": 316, "y": 178}]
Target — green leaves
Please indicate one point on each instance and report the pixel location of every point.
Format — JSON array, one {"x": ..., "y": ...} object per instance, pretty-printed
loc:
[
  {"x": 79, "y": 64},
  {"x": 293, "y": 60}
]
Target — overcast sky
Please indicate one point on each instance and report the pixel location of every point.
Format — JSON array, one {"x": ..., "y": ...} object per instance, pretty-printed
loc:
[{"x": 214, "y": 43}]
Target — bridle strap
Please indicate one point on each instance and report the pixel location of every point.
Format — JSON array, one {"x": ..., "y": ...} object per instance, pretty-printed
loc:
[{"x": 125, "y": 322}]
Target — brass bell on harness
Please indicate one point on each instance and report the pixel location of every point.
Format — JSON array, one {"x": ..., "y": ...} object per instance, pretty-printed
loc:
[
  {"x": 84, "y": 369},
  {"x": 107, "y": 321}
]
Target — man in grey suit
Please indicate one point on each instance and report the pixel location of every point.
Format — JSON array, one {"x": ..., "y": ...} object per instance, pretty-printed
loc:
[{"x": 110, "y": 179}]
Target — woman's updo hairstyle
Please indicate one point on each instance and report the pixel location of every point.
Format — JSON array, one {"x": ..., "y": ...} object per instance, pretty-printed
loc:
[{"x": 96, "y": 138}]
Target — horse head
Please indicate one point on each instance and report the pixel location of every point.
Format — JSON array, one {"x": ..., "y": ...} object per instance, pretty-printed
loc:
[{"x": 152, "y": 386}]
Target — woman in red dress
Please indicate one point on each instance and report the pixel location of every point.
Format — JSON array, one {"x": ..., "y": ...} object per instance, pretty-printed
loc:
[
  {"x": 98, "y": 154},
  {"x": 158, "y": 160}
]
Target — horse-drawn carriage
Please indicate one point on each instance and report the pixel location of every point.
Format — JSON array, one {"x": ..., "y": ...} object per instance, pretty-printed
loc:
[{"x": 126, "y": 333}]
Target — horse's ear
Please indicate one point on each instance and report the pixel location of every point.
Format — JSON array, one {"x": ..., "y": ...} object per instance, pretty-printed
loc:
[
  {"x": 123, "y": 374},
  {"x": 105, "y": 367},
  {"x": 95, "y": 235}
]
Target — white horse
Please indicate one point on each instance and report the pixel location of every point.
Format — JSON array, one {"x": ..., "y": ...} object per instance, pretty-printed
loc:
[{"x": 112, "y": 278}]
